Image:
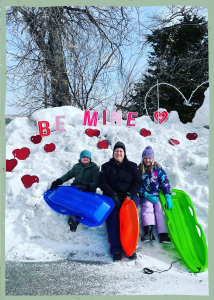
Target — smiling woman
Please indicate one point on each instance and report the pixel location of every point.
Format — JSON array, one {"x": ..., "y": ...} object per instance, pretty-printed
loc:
[
  {"x": 119, "y": 179},
  {"x": 119, "y": 154}
]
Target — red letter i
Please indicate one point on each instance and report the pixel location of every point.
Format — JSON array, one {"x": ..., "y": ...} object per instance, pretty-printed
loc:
[{"x": 104, "y": 117}]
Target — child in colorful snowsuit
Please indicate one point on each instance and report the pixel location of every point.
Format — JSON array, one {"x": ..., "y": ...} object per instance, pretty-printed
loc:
[
  {"x": 153, "y": 180},
  {"x": 86, "y": 175}
]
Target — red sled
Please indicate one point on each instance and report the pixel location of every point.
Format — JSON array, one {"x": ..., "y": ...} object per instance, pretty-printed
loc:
[{"x": 129, "y": 226}]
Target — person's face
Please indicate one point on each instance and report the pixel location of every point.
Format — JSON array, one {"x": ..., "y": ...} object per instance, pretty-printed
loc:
[
  {"x": 85, "y": 160},
  {"x": 147, "y": 160},
  {"x": 119, "y": 154}
]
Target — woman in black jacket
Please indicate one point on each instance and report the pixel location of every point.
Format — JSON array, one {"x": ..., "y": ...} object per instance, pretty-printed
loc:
[{"x": 119, "y": 179}]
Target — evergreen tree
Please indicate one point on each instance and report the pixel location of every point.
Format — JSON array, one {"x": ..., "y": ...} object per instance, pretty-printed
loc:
[{"x": 179, "y": 57}]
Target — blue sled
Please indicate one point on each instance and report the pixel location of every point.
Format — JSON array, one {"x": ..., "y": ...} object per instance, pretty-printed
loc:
[{"x": 88, "y": 208}]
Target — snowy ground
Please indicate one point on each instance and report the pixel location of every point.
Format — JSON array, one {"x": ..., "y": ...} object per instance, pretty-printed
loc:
[{"x": 34, "y": 232}]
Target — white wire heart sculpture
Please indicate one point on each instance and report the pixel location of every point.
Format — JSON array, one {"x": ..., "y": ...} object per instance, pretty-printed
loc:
[{"x": 186, "y": 102}]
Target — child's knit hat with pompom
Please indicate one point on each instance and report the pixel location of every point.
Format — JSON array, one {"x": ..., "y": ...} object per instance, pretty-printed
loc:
[{"x": 148, "y": 152}]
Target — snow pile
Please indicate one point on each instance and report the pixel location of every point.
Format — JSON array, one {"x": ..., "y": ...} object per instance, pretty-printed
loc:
[
  {"x": 73, "y": 116},
  {"x": 202, "y": 115},
  {"x": 35, "y": 232}
]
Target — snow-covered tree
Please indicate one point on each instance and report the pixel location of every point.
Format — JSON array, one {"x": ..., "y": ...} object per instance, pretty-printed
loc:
[{"x": 178, "y": 56}]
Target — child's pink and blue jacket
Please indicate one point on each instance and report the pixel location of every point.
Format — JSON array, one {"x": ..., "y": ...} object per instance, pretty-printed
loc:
[{"x": 154, "y": 181}]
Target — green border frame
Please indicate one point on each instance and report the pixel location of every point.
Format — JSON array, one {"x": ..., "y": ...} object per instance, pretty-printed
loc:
[{"x": 4, "y": 3}]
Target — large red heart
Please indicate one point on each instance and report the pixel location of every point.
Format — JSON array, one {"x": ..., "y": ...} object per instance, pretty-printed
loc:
[
  {"x": 28, "y": 180},
  {"x": 103, "y": 144},
  {"x": 49, "y": 147},
  {"x": 22, "y": 153},
  {"x": 191, "y": 136},
  {"x": 174, "y": 142},
  {"x": 92, "y": 132},
  {"x": 36, "y": 139},
  {"x": 10, "y": 164},
  {"x": 144, "y": 132},
  {"x": 160, "y": 116}
]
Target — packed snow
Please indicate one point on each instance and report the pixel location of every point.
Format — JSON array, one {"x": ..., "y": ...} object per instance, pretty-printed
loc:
[{"x": 34, "y": 232}]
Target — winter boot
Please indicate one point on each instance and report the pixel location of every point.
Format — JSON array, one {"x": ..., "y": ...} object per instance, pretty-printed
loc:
[
  {"x": 164, "y": 238},
  {"x": 148, "y": 236},
  {"x": 72, "y": 223},
  {"x": 116, "y": 256},
  {"x": 133, "y": 256}
]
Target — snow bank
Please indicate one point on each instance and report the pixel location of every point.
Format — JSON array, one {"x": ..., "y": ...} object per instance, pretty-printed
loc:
[
  {"x": 73, "y": 116},
  {"x": 202, "y": 115},
  {"x": 35, "y": 232}
]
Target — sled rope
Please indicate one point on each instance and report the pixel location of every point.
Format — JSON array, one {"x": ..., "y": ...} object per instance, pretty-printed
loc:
[{"x": 149, "y": 271}]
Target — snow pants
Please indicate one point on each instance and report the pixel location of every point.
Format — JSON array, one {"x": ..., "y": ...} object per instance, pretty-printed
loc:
[
  {"x": 151, "y": 212},
  {"x": 113, "y": 229}
]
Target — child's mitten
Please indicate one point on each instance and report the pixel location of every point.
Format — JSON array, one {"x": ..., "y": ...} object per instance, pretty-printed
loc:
[
  {"x": 151, "y": 197},
  {"x": 56, "y": 183},
  {"x": 168, "y": 201}
]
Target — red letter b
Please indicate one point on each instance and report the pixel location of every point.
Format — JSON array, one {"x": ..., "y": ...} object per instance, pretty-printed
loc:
[{"x": 44, "y": 128}]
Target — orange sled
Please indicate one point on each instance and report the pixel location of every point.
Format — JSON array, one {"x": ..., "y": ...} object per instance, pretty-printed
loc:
[{"x": 129, "y": 226}]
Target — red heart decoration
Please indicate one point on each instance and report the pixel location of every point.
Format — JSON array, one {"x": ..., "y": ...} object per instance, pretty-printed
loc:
[
  {"x": 144, "y": 132},
  {"x": 28, "y": 180},
  {"x": 36, "y": 139},
  {"x": 191, "y": 136},
  {"x": 92, "y": 132},
  {"x": 174, "y": 142},
  {"x": 103, "y": 144},
  {"x": 160, "y": 116},
  {"x": 22, "y": 153},
  {"x": 50, "y": 147},
  {"x": 10, "y": 164}
]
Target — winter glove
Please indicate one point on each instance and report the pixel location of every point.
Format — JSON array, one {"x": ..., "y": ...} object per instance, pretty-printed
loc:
[
  {"x": 88, "y": 187},
  {"x": 117, "y": 202},
  {"x": 151, "y": 197},
  {"x": 56, "y": 183},
  {"x": 84, "y": 188},
  {"x": 128, "y": 195},
  {"x": 168, "y": 201}
]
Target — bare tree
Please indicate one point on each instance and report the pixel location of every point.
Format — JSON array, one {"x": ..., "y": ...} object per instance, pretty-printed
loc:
[
  {"x": 65, "y": 55},
  {"x": 169, "y": 15}
]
